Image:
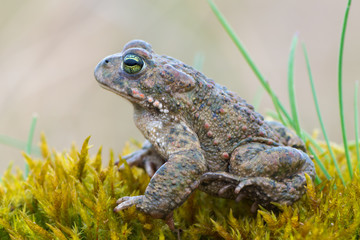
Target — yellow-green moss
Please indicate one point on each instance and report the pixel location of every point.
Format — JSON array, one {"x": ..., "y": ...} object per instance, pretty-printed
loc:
[{"x": 70, "y": 195}]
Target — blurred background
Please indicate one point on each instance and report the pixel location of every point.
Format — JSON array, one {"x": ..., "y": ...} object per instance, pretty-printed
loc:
[{"x": 48, "y": 51}]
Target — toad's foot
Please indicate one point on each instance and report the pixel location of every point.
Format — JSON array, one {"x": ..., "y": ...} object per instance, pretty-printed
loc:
[
  {"x": 126, "y": 202},
  {"x": 224, "y": 181},
  {"x": 145, "y": 158},
  {"x": 140, "y": 202},
  {"x": 263, "y": 190}
]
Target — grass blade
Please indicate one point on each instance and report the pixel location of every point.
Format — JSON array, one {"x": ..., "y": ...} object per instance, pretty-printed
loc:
[
  {"x": 30, "y": 140},
  {"x": 319, "y": 163},
  {"x": 356, "y": 114},
  {"x": 12, "y": 142},
  {"x": 198, "y": 61},
  {"x": 258, "y": 97},
  {"x": 256, "y": 71},
  {"x": 291, "y": 87},
  {"x": 311, "y": 150},
  {"x": 319, "y": 116},
  {"x": 31, "y": 134},
  {"x": 308, "y": 137},
  {"x": 341, "y": 105},
  {"x": 247, "y": 58}
]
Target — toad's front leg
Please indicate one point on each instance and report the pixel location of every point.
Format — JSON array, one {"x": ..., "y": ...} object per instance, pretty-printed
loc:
[{"x": 174, "y": 181}]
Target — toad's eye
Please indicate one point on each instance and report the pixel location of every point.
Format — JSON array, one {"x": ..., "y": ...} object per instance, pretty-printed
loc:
[{"x": 132, "y": 63}]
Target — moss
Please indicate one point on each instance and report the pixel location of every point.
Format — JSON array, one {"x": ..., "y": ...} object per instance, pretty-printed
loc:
[{"x": 70, "y": 195}]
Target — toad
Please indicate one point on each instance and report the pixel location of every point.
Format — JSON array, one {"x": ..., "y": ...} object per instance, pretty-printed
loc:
[{"x": 200, "y": 135}]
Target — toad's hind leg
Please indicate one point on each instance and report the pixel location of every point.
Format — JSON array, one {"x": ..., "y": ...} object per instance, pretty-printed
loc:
[{"x": 271, "y": 174}]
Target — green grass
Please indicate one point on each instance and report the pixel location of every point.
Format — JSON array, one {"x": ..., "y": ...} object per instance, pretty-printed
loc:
[
  {"x": 259, "y": 94},
  {"x": 282, "y": 114},
  {"x": 30, "y": 140},
  {"x": 291, "y": 87},
  {"x": 198, "y": 62},
  {"x": 341, "y": 104},
  {"x": 27, "y": 146},
  {"x": 280, "y": 109},
  {"x": 313, "y": 91},
  {"x": 18, "y": 144}
]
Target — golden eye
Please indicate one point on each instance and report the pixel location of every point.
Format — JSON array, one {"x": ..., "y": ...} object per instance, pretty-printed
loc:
[{"x": 132, "y": 63}]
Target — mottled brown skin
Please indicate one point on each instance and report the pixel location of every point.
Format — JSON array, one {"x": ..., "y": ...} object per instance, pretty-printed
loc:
[{"x": 201, "y": 136}]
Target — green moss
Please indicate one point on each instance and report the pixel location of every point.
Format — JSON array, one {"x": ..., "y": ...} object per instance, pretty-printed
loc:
[{"x": 70, "y": 195}]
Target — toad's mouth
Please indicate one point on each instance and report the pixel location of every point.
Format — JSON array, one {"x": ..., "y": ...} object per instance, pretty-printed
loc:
[
  {"x": 138, "y": 98},
  {"x": 133, "y": 95}
]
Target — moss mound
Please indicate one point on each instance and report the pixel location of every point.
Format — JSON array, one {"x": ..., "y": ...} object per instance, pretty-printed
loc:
[{"x": 70, "y": 195}]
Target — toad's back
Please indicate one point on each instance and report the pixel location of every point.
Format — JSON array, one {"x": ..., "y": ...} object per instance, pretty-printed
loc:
[{"x": 223, "y": 121}]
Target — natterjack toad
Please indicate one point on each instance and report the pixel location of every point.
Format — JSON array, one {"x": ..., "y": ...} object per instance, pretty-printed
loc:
[{"x": 200, "y": 136}]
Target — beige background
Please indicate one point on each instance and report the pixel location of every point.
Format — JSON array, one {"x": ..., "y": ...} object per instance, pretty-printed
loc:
[{"x": 48, "y": 50}]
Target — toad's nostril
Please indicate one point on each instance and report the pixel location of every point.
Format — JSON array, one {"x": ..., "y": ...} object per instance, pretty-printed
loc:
[{"x": 106, "y": 61}]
